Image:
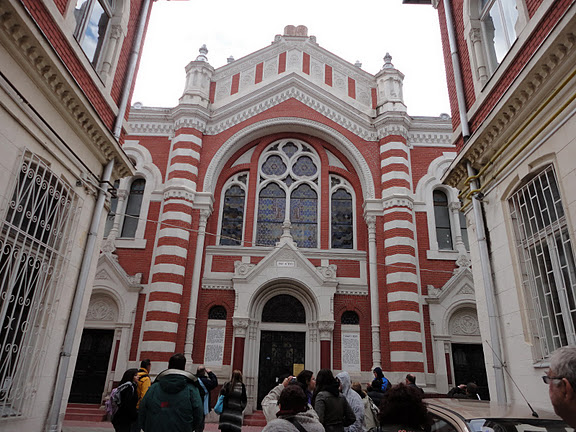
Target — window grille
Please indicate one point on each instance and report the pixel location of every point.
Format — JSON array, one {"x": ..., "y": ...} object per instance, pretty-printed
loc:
[
  {"x": 350, "y": 318},
  {"x": 284, "y": 309},
  {"x": 35, "y": 241},
  {"x": 547, "y": 261},
  {"x": 217, "y": 313},
  {"x": 288, "y": 192}
]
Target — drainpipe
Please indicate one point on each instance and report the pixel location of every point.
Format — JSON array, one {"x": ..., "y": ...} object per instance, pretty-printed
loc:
[
  {"x": 133, "y": 60},
  {"x": 456, "y": 70},
  {"x": 52, "y": 422},
  {"x": 488, "y": 291},
  {"x": 478, "y": 216}
]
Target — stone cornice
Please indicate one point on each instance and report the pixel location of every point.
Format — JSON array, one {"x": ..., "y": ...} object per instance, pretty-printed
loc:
[
  {"x": 21, "y": 38},
  {"x": 535, "y": 84}
]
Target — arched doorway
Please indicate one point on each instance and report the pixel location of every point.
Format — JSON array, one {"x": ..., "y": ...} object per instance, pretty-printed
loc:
[{"x": 282, "y": 341}]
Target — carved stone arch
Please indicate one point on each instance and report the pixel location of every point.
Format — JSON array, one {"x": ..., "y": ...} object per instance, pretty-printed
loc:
[
  {"x": 104, "y": 307},
  {"x": 283, "y": 286},
  {"x": 433, "y": 177},
  {"x": 463, "y": 322},
  {"x": 145, "y": 166},
  {"x": 293, "y": 124}
]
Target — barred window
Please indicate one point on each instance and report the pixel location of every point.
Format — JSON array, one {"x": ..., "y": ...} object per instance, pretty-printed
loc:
[
  {"x": 284, "y": 309},
  {"x": 350, "y": 318},
  {"x": 547, "y": 260},
  {"x": 34, "y": 247},
  {"x": 217, "y": 313}
]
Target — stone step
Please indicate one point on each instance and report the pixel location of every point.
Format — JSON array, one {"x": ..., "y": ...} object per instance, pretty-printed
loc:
[
  {"x": 255, "y": 419},
  {"x": 85, "y": 412}
]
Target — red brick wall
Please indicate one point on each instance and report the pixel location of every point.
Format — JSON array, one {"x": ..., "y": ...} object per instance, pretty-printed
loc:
[
  {"x": 360, "y": 305},
  {"x": 347, "y": 268},
  {"x": 224, "y": 263}
]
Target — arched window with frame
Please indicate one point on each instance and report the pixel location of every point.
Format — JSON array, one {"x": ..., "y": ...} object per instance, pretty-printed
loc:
[
  {"x": 350, "y": 318},
  {"x": 233, "y": 205},
  {"x": 342, "y": 214},
  {"x": 133, "y": 207},
  {"x": 217, "y": 313},
  {"x": 92, "y": 22},
  {"x": 498, "y": 19},
  {"x": 288, "y": 192},
  {"x": 442, "y": 220}
]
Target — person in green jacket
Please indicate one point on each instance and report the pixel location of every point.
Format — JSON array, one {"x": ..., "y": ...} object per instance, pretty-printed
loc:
[{"x": 172, "y": 403}]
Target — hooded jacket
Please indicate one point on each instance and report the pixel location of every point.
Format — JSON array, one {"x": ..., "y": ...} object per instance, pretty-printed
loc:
[
  {"x": 308, "y": 420},
  {"x": 354, "y": 400},
  {"x": 171, "y": 404},
  {"x": 144, "y": 383}
]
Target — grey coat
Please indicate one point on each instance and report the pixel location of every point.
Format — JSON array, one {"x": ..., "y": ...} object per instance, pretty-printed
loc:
[
  {"x": 308, "y": 420},
  {"x": 355, "y": 402}
]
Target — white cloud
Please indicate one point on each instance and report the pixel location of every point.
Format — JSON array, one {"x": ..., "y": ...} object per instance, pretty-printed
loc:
[{"x": 361, "y": 30}]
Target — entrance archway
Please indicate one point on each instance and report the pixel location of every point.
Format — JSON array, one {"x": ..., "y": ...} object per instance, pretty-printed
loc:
[{"x": 282, "y": 352}]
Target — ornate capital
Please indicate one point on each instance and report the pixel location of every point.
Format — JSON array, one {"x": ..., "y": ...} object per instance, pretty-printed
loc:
[
  {"x": 240, "y": 326},
  {"x": 242, "y": 268},
  {"x": 329, "y": 272},
  {"x": 454, "y": 206},
  {"x": 325, "y": 328},
  {"x": 475, "y": 34}
]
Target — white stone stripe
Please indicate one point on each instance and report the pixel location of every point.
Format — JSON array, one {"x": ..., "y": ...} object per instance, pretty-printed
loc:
[
  {"x": 400, "y": 259},
  {"x": 164, "y": 306},
  {"x": 185, "y": 152},
  {"x": 399, "y": 241},
  {"x": 393, "y": 160},
  {"x": 178, "y": 201},
  {"x": 182, "y": 183},
  {"x": 404, "y": 316},
  {"x": 395, "y": 296},
  {"x": 401, "y": 277},
  {"x": 187, "y": 138},
  {"x": 402, "y": 335},
  {"x": 395, "y": 175},
  {"x": 177, "y": 215},
  {"x": 163, "y": 326},
  {"x": 175, "y": 232},
  {"x": 397, "y": 210},
  {"x": 183, "y": 167},
  {"x": 393, "y": 145},
  {"x": 406, "y": 356},
  {"x": 158, "y": 346},
  {"x": 171, "y": 250},
  {"x": 168, "y": 287},
  {"x": 398, "y": 224},
  {"x": 169, "y": 268}
]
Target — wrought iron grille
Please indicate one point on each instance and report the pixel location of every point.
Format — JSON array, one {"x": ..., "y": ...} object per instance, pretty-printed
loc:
[
  {"x": 547, "y": 260},
  {"x": 35, "y": 236}
]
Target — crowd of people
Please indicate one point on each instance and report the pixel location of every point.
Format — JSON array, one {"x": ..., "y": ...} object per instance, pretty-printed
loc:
[{"x": 178, "y": 401}]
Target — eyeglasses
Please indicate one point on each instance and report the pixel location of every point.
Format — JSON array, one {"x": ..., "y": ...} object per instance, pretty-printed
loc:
[{"x": 547, "y": 379}]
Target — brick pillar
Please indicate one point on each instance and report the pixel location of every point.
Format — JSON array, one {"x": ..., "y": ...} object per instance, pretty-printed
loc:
[
  {"x": 171, "y": 254},
  {"x": 404, "y": 314},
  {"x": 326, "y": 329},
  {"x": 240, "y": 331}
]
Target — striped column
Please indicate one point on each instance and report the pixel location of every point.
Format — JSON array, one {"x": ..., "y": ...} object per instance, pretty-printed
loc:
[
  {"x": 171, "y": 254},
  {"x": 404, "y": 317}
]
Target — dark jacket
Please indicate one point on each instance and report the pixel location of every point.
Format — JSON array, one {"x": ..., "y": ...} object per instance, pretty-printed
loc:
[
  {"x": 234, "y": 404},
  {"x": 127, "y": 412},
  {"x": 210, "y": 382},
  {"x": 333, "y": 410},
  {"x": 171, "y": 404}
]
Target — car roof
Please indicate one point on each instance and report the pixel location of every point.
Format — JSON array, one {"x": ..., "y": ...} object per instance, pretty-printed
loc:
[{"x": 471, "y": 409}]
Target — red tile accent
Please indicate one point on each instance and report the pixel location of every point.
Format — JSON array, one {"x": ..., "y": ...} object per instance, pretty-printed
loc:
[
  {"x": 282, "y": 62},
  {"x": 235, "y": 84},
  {"x": 212, "y": 91},
  {"x": 328, "y": 75},
  {"x": 351, "y": 88},
  {"x": 374, "y": 98},
  {"x": 259, "y": 73},
  {"x": 306, "y": 63}
]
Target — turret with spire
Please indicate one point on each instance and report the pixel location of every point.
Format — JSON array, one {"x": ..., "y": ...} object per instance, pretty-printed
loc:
[
  {"x": 389, "y": 82},
  {"x": 198, "y": 76}
]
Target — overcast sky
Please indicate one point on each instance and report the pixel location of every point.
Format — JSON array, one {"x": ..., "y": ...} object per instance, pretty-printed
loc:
[{"x": 363, "y": 30}]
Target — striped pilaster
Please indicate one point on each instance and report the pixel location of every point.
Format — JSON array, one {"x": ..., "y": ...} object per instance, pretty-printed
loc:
[
  {"x": 167, "y": 279},
  {"x": 185, "y": 159},
  {"x": 404, "y": 318}
]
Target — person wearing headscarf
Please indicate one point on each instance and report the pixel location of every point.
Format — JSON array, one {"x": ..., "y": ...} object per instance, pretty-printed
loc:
[{"x": 379, "y": 386}]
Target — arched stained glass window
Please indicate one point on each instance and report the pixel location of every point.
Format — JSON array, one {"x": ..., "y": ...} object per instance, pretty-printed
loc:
[
  {"x": 232, "y": 216},
  {"x": 442, "y": 219},
  {"x": 342, "y": 219},
  {"x": 284, "y": 308},
  {"x": 133, "y": 206},
  {"x": 271, "y": 211},
  {"x": 217, "y": 313},
  {"x": 304, "y": 215},
  {"x": 350, "y": 318},
  {"x": 289, "y": 180}
]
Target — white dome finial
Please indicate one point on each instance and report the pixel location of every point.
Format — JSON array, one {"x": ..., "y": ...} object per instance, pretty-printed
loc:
[{"x": 203, "y": 51}]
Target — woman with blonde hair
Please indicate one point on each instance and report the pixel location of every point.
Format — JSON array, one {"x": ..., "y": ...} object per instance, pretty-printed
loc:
[{"x": 235, "y": 399}]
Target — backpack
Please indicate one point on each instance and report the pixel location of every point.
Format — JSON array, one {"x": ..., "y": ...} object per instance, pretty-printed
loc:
[{"x": 115, "y": 400}]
